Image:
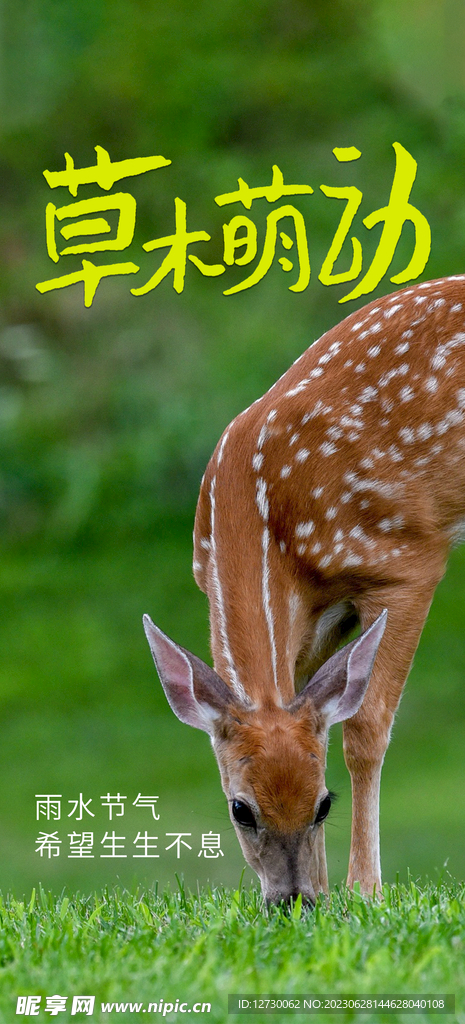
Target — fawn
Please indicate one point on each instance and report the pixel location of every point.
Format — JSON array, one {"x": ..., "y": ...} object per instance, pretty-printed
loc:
[{"x": 333, "y": 500}]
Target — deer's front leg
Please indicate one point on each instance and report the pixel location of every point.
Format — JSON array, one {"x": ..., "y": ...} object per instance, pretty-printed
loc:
[
  {"x": 319, "y": 869},
  {"x": 366, "y": 735}
]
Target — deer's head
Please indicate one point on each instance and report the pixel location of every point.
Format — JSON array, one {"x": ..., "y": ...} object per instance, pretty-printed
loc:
[{"x": 271, "y": 758}]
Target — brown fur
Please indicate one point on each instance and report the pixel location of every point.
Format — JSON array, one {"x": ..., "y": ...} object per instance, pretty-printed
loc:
[
  {"x": 335, "y": 497},
  {"x": 282, "y": 763}
]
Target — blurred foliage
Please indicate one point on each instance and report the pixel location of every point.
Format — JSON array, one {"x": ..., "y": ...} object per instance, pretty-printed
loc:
[{"x": 108, "y": 415}]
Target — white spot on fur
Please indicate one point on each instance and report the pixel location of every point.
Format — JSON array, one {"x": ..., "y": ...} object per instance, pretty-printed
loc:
[
  {"x": 397, "y": 371},
  {"x": 328, "y": 448},
  {"x": 334, "y": 433},
  {"x": 450, "y": 420},
  {"x": 407, "y": 435},
  {"x": 267, "y": 601},
  {"x": 298, "y": 388},
  {"x": 454, "y": 417},
  {"x": 368, "y": 394},
  {"x": 386, "y": 524},
  {"x": 352, "y": 560},
  {"x": 438, "y": 361},
  {"x": 263, "y": 436},
  {"x": 263, "y": 504},
  {"x": 390, "y": 312},
  {"x": 221, "y": 448},
  {"x": 346, "y": 421},
  {"x": 304, "y": 529},
  {"x": 294, "y": 607},
  {"x": 395, "y": 454},
  {"x": 357, "y": 484},
  {"x": 403, "y": 347},
  {"x": 218, "y": 598}
]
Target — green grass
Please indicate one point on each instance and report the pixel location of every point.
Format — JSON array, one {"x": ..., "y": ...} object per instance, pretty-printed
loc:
[{"x": 139, "y": 946}]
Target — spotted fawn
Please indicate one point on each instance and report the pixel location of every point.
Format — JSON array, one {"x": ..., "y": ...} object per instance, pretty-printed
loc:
[{"x": 332, "y": 501}]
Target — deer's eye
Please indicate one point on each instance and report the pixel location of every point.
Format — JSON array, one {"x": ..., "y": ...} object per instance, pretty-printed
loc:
[
  {"x": 243, "y": 815},
  {"x": 323, "y": 810}
]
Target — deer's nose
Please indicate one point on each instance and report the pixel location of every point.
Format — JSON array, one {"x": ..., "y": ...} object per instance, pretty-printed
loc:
[{"x": 308, "y": 902}]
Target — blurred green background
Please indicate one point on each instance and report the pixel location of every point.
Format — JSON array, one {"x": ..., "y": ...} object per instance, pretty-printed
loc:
[{"x": 108, "y": 415}]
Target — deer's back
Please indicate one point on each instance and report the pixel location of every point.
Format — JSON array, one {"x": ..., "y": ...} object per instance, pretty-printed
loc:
[{"x": 357, "y": 454}]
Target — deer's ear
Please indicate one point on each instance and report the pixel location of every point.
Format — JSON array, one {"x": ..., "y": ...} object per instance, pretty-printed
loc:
[
  {"x": 196, "y": 694},
  {"x": 338, "y": 688}
]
